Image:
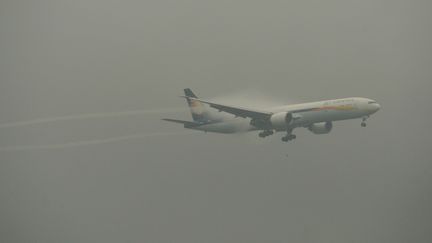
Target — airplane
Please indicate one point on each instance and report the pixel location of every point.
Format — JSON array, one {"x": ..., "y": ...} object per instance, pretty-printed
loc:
[{"x": 317, "y": 117}]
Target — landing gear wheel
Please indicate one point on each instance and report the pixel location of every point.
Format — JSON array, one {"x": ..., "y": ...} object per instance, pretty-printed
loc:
[
  {"x": 363, "y": 124},
  {"x": 289, "y": 138},
  {"x": 266, "y": 133}
]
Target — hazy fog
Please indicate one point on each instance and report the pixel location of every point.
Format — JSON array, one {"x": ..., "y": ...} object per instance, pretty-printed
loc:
[{"x": 117, "y": 67}]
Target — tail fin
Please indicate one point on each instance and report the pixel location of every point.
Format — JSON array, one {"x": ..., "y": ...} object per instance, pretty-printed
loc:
[{"x": 198, "y": 110}]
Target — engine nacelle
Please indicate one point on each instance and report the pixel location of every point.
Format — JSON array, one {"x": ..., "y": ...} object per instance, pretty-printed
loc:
[
  {"x": 321, "y": 128},
  {"x": 281, "y": 120}
]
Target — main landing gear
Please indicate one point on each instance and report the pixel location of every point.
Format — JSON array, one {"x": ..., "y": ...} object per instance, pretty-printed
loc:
[
  {"x": 363, "y": 124},
  {"x": 289, "y": 136},
  {"x": 265, "y": 133}
]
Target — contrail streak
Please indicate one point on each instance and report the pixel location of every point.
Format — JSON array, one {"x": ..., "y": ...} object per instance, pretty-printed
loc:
[
  {"x": 88, "y": 116},
  {"x": 91, "y": 142}
]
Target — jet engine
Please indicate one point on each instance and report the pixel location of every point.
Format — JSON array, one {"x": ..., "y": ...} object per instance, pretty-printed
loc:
[
  {"x": 281, "y": 120},
  {"x": 321, "y": 128}
]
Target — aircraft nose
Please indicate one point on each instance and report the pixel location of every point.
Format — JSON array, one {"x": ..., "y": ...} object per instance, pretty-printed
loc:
[{"x": 376, "y": 107}]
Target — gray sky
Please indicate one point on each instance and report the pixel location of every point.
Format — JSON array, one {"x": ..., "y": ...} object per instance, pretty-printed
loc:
[{"x": 65, "y": 58}]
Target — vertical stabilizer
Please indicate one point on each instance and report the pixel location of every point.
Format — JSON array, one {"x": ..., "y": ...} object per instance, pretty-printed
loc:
[{"x": 198, "y": 110}]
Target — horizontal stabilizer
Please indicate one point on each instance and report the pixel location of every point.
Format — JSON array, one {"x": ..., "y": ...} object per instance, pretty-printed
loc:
[{"x": 186, "y": 123}]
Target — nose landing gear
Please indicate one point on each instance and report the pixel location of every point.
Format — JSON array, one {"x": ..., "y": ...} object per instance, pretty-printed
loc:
[{"x": 363, "y": 124}]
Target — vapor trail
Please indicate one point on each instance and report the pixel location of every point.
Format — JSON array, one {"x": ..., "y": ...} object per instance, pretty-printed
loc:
[
  {"x": 88, "y": 116},
  {"x": 91, "y": 142}
]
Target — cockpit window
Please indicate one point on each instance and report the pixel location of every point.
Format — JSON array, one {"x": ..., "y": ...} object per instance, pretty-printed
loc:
[{"x": 372, "y": 102}]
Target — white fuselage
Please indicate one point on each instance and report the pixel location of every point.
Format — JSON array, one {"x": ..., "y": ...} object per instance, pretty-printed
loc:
[{"x": 310, "y": 113}]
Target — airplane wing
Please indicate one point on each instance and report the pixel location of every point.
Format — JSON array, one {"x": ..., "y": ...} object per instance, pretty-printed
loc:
[{"x": 237, "y": 111}]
